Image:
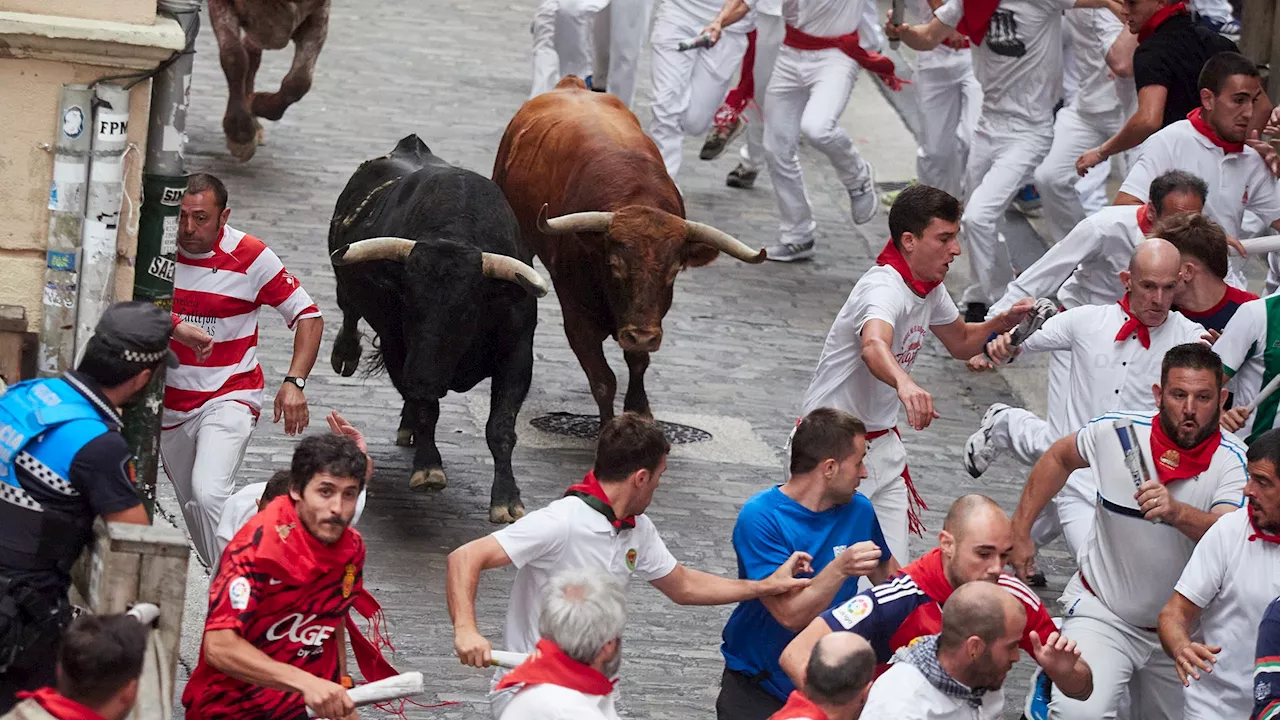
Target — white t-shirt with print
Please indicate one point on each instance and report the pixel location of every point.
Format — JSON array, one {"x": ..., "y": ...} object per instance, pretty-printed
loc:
[
  {"x": 842, "y": 379},
  {"x": 1019, "y": 62},
  {"x": 1233, "y": 579}
]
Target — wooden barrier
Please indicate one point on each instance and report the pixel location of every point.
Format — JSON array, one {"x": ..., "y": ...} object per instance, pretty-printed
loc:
[{"x": 128, "y": 564}]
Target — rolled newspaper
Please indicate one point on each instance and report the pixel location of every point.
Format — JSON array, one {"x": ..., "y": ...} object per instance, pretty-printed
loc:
[
  {"x": 702, "y": 41},
  {"x": 392, "y": 688},
  {"x": 506, "y": 659},
  {"x": 1134, "y": 459},
  {"x": 1264, "y": 393},
  {"x": 899, "y": 11}
]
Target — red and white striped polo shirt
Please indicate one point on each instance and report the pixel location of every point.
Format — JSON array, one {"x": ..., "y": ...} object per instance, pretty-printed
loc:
[{"x": 221, "y": 291}]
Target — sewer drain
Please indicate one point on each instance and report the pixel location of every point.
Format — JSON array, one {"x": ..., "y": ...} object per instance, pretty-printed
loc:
[{"x": 588, "y": 426}]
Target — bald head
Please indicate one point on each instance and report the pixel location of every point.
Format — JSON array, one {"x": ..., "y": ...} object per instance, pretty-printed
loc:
[
  {"x": 972, "y": 511},
  {"x": 1153, "y": 278},
  {"x": 979, "y": 609},
  {"x": 1154, "y": 256},
  {"x": 841, "y": 666}
]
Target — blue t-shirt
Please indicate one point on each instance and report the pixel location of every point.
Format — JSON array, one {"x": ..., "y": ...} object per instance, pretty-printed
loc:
[{"x": 770, "y": 527}]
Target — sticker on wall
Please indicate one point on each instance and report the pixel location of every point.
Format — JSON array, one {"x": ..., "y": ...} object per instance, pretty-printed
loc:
[
  {"x": 112, "y": 125},
  {"x": 73, "y": 122},
  {"x": 169, "y": 238}
]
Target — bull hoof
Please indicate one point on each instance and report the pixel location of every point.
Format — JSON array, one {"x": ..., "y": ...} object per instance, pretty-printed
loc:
[
  {"x": 404, "y": 437},
  {"x": 345, "y": 357},
  {"x": 432, "y": 479},
  {"x": 499, "y": 514},
  {"x": 243, "y": 150}
]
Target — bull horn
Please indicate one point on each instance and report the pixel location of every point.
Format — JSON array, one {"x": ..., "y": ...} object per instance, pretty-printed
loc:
[
  {"x": 723, "y": 241},
  {"x": 573, "y": 222},
  {"x": 379, "y": 248},
  {"x": 502, "y": 267}
]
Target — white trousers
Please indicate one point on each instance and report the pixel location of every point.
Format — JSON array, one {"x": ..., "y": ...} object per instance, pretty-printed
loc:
[
  {"x": 620, "y": 29},
  {"x": 1117, "y": 653},
  {"x": 1068, "y": 198},
  {"x": 560, "y": 45},
  {"x": 769, "y": 32},
  {"x": 202, "y": 457},
  {"x": 1002, "y": 158},
  {"x": 884, "y": 485},
  {"x": 950, "y": 100},
  {"x": 807, "y": 94},
  {"x": 689, "y": 86}
]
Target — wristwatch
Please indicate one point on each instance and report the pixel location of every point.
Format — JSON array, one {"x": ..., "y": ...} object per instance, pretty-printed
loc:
[{"x": 300, "y": 382}]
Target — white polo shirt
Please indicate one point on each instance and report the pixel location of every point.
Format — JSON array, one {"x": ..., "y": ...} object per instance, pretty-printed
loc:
[
  {"x": 552, "y": 702},
  {"x": 1084, "y": 268},
  {"x": 1130, "y": 563},
  {"x": 842, "y": 379},
  {"x": 1250, "y": 352},
  {"x": 1019, "y": 62},
  {"x": 1237, "y": 181},
  {"x": 1232, "y": 579},
  {"x": 1091, "y": 32},
  {"x": 1107, "y": 374},
  {"x": 903, "y": 693},
  {"x": 824, "y": 18},
  {"x": 569, "y": 534}
]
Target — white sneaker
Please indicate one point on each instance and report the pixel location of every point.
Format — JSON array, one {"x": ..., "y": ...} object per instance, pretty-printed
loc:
[
  {"x": 789, "y": 252},
  {"x": 865, "y": 200},
  {"x": 979, "y": 452}
]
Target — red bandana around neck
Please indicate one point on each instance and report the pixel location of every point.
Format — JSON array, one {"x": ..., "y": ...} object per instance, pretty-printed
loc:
[
  {"x": 1145, "y": 215},
  {"x": 1149, "y": 27},
  {"x": 799, "y": 707},
  {"x": 1175, "y": 463},
  {"x": 548, "y": 665},
  {"x": 58, "y": 706},
  {"x": 1257, "y": 533},
  {"x": 892, "y": 257},
  {"x": 592, "y": 494},
  {"x": 930, "y": 576},
  {"x": 1133, "y": 324},
  {"x": 977, "y": 19},
  {"x": 1202, "y": 127},
  {"x": 869, "y": 60}
]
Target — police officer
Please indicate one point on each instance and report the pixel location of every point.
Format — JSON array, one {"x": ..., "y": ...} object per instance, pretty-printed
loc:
[{"x": 63, "y": 462}]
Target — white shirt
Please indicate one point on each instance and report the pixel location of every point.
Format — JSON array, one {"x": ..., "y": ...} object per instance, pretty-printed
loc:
[
  {"x": 1084, "y": 267},
  {"x": 552, "y": 702},
  {"x": 824, "y": 18},
  {"x": 903, "y": 693},
  {"x": 1248, "y": 348},
  {"x": 1132, "y": 564},
  {"x": 569, "y": 534},
  {"x": 1023, "y": 80},
  {"x": 1091, "y": 32},
  {"x": 1232, "y": 579},
  {"x": 842, "y": 379},
  {"x": 243, "y": 504},
  {"x": 1107, "y": 374},
  {"x": 1237, "y": 181}
]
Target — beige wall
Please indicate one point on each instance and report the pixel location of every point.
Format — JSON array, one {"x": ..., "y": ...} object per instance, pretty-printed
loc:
[{"x": 138, "y": 12}]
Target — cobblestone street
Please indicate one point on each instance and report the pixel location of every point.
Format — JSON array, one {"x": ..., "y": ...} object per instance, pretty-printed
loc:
[{"x": 740, "y": 343}]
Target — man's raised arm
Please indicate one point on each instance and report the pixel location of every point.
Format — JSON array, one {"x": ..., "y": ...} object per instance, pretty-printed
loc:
[
  {"x": 462, "y": 577},
  {"x": 1047, "y": 479},
  {"x": 686, "y": 586}
]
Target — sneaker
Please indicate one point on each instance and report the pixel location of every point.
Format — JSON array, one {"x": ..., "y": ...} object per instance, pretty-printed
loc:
[
  {"x": 975, "y": 312},
  {"x": 1043, "y": 310},
  {"x": 864, "y": 200},
  {"x": 979, "y": 451},
  {"x": 789, "y": 252},
  {"x": 1229, "y": 29},
  {"x": 1027, "y": 200},
  {"x": 1037, "y": 707},
  {"x": 728, "y": 126},
  {"x": 1038, "y": 580},
  {"x": 888, "y": 198},
  {"x": 591, "y": 85},
  {"x": 742, "y": 177}
]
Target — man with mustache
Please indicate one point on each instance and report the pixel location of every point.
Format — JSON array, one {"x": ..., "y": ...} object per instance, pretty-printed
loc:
[
  {"x": 1225, "y": 590},
  {"x": 1130, "y": 563}
]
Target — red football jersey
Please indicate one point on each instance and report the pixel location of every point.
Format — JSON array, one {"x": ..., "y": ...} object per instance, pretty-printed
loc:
[{"x": 287, "y": 595}]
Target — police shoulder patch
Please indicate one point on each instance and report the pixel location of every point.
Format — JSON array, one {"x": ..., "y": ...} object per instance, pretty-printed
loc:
[
  {"x": 853, "y": 612},
  {"x": 238, "y": 593}
]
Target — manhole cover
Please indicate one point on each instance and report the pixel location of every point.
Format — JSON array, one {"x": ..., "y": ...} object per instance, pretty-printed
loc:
[{"x": 588, "y": 426}]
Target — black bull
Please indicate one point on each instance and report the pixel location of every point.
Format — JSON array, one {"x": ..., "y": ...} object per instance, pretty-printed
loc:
[{"x": 444, "y": 281}]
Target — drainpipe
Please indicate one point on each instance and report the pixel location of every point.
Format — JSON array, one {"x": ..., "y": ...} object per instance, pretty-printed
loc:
[{"x": 163, "y": 185}]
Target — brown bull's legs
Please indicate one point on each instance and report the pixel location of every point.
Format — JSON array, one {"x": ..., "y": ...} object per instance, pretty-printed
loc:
[
  {"x": 636, "y": 400},
  {"x": 588, "y": 344},
  {"x": 238, "y": 124},
  {"x": 308, "y": 41}
]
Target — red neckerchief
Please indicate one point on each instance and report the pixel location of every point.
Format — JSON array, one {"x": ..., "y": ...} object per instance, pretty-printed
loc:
[
  {"x": 892, "y": 257},
  {"x": 1176, "y": 463},
  {"x": 1202, "y": 127},
  {"x": 1257, "y": 533},
  {"x": 929, "y": 576},
  {"x": 1145, "y": 223},
  {"x": 977, "y": 18},
  {"x": 799, "y": 707},
  {"x": 1149, "y": 27},
  {"x": 592, "y": 494},
  {"x": 548, "y": 665},
  {"x": 1132, "y": 324},
  {"x": 287, "y": 550},
  {"x": 58, "y": 706},
  {"x": 847, "y": 44}
]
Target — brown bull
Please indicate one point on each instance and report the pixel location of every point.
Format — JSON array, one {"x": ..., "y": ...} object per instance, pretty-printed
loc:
[
  {"x": 616, "y": 236},
  {"x": 244, "y": 28}
]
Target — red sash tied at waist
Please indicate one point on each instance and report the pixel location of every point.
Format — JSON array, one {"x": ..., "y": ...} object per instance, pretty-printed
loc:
[{"x": 847, "y": 44}]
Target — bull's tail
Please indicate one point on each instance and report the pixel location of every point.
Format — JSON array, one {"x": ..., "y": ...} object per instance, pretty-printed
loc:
[{"x": 374, "y": 361}]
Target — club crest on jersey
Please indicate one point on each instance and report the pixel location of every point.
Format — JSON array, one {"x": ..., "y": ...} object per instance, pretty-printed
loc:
[
  {"x": 631, "y": 559},
  {"x": 1170, "y": 458},
  {"x": 283, "y": 531},
  {"x": 348, "y": 580},
  {"x": 852, "y": 612},
  {"x": 238, "y": 593}
]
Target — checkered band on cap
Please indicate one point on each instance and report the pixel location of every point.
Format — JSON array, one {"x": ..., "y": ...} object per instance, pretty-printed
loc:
[{"x": 141, "y": 357}]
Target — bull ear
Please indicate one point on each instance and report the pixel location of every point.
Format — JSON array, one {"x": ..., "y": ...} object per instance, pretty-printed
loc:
[{"x": 697, "y": 254}]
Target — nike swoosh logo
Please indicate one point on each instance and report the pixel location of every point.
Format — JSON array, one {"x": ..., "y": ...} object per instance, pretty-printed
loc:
[{"x": 273, "y": 581}]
